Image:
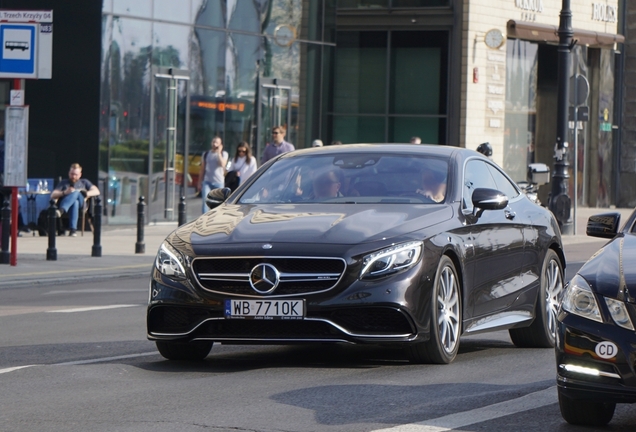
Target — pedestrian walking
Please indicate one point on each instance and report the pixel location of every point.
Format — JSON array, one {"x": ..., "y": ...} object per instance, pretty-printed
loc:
[
  {"x": 278, "y": 145},
  {"x": 212, "y": 173},
  {"x": 243, "y": 165}
]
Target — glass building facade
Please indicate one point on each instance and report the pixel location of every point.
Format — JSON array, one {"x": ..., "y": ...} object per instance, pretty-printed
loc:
[{"x": 176, "y": 74}]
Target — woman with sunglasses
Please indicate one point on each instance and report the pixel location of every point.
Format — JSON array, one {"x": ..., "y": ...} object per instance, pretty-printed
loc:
[{"x": 243, "y": 164}]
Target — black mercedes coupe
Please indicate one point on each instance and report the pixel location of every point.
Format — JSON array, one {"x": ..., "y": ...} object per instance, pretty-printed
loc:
[
  {"x": 401, "y": 245},
  {"x": 596, "y": 339}
]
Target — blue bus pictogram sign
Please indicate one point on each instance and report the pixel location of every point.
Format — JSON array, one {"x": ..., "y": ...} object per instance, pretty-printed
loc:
[{"x": 18, "y": 50}]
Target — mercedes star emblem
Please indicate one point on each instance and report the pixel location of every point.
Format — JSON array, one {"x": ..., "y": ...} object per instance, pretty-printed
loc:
[{"x": 264, "y": 278}]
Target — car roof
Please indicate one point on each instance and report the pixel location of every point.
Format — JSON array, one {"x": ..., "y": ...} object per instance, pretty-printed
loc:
[{"x": 428, "y": 149}]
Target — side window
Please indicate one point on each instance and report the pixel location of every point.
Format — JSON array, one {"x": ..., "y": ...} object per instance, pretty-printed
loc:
[
  {"x": 476, "y": 175},
  {"x": 503, "y": 184}
]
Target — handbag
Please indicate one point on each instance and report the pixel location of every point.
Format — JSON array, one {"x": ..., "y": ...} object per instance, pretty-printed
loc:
[{"x": 232, "y": 180}]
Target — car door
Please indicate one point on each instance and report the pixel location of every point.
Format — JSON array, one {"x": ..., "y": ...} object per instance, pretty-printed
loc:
[{"x": 497, "y": 237}]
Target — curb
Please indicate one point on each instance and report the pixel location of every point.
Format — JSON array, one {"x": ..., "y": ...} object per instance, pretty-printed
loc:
[{"x": 13, "y": 283}]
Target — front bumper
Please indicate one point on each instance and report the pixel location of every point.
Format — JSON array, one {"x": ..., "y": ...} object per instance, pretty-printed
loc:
[
  {"x": 364, "y": 312},
  {"x": 588, "y": 368}
]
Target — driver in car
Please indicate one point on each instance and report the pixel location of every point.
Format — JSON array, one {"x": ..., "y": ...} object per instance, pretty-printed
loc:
[
  {"x": 327, "y": 185},
  {"x": 432, "y": 186}
]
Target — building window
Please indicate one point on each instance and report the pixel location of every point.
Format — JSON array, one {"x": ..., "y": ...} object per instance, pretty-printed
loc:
[
  {"x": 390, "y": 86},
  {"x": 369, "y": 4},
  {"x": 521, "y": 112}
]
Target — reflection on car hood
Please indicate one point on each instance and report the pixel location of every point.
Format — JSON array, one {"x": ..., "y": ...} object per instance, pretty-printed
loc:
[
  {"x": 318, "y": 224},
  {"x": 611, "y": 271}
]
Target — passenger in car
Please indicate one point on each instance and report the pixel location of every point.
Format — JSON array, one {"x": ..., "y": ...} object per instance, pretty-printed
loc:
[{"x": 433, "y": 186}]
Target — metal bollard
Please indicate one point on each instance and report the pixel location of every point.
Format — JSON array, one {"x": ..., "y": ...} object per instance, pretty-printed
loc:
[
  {"x": 140, "y": 246},
  {"x": 114, "y": 201},
  {"x": 182, "y": 211},
  {"x": 96, "y": 251},
  {"x": 51, "y": 252},
  {"x": 105, "y": 191},
  {"x": 5, "y": 255}
]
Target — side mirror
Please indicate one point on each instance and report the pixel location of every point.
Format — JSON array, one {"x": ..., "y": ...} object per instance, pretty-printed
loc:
[
  {"x": 216, "y": 197},
  {"x": 538, "y": 173},
  {"x": 603, "y": 225},
  {"x": 488, "y": 199}
]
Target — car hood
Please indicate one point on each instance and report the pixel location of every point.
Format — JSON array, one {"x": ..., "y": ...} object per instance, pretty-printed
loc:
[
  {"x": 309, "y": 224},
  {"x": 611, "y": 272}
]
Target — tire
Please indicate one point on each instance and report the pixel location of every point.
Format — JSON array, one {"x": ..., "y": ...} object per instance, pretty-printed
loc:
[
  {"x": 197, "y": 350},
  {"x": 445, "y": 324},
  {"x": 586, "y": 412},
  {"x": 542, "y": 332}
]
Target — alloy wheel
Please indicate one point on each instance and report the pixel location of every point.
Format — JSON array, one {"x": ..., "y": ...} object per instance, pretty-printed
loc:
[
  {"x": 553, "y": 294},
  {"x": 448, "y": 310}
]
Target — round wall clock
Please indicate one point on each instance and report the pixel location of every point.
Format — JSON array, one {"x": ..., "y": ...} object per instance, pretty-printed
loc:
[
  {"x": 494, "y": 38},
  {"x": 284, "y": 35}
]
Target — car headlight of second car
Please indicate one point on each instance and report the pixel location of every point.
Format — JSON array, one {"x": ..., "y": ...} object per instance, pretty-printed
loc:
[
  {"x": 619, "y": 313},
  {"x": 170, "y": 262},
  {"x": 580, "y": 300},
  {"x": 391, "y": 260}
]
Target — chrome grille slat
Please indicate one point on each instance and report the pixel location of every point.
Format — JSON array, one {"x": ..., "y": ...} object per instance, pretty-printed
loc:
[
  {"x": 309, "y": 275},
  {"x": 298, "y": 275},
  {"x": 308, "y": 279},
  {"x": 220, "y": 275}
]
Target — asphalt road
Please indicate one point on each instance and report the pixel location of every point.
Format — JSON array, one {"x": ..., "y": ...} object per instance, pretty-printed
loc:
[{"x": 75, "y": 358}]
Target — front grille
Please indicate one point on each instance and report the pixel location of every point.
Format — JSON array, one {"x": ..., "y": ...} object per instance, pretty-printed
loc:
[{"x": 298, "y": 275}]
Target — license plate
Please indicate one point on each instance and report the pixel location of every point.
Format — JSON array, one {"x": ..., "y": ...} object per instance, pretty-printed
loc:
[{"x": 265, "y": 309}]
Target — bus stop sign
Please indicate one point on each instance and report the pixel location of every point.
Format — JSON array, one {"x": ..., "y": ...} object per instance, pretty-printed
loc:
[
  {"x": 26, "y": 44},
  {"x": 18, "y": 50}
]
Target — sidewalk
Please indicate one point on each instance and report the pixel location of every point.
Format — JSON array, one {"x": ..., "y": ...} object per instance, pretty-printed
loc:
[
  {"x": 75, "y": 264},
  {"x": 74, "y": 261}
]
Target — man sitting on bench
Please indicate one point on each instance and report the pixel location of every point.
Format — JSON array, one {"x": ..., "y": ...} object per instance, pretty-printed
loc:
[{"x": 71, "y": 194}]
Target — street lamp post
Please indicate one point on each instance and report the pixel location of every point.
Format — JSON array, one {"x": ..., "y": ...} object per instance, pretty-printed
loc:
[{"x": 560, "y": 202}]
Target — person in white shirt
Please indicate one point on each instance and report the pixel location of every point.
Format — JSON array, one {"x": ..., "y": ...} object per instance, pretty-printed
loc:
[
  {"x": 243, "y": 163},
  {"x": 212, "y": 173}
]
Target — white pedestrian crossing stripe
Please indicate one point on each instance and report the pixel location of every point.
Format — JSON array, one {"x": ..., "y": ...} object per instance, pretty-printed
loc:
[
  {"x": 93, "y": 308},
  {"x": 479, "y": 415}
]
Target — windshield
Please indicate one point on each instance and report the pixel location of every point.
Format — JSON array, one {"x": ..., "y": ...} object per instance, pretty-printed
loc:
[{"x": 351, "y": 178}]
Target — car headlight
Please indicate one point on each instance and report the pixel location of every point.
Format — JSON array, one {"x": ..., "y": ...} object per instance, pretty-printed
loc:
[
  {"x": 391, "y": 260},
  {"x": 580, "y": 300},
  {"x": 619, "y": 313},
  {"x": 170, "y": 262}
]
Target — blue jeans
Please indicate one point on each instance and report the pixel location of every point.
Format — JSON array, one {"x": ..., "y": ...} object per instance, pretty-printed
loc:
[
  {"x": 72, "y": 204},
  {"x": 206, "y": 187}
]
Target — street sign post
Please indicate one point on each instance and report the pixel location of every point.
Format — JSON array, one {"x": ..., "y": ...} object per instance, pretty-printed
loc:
[
  {"x": 26, "y": 51},
  {"x": 578, "y": 113},
  {"x": 15, "y": 164}
]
